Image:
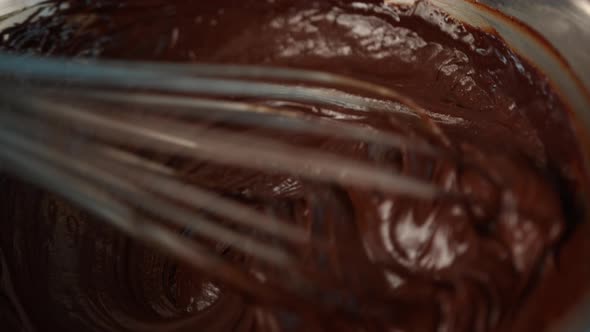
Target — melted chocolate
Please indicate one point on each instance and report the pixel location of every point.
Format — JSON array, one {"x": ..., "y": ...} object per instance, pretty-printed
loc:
[{"x": 487, "y": 265}]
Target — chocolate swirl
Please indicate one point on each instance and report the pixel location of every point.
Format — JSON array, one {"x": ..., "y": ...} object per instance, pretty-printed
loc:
[{"x": 445, "y": 265}]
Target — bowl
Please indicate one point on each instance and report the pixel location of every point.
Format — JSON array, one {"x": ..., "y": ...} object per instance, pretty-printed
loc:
[{"x": 552, "y": 35}]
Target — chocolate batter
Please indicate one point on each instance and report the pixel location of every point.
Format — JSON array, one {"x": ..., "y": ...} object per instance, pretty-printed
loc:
[{"x": 510, "y": 259}]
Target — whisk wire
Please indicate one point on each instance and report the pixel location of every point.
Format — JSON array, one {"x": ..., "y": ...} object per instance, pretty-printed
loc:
[
  {"x": 204, "y": 79},
  {"x": 99, "y": 203},
  {"x": 259, "y": 115},
  {"x": 88, "y": 147},
  {"x": 181, "y": 216},
  {"x": 223, "y": 146},
  {"x": 79, "y": 182}
]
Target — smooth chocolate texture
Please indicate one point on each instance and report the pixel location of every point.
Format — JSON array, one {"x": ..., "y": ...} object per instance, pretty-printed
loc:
[{"x": 510, "y": 259}]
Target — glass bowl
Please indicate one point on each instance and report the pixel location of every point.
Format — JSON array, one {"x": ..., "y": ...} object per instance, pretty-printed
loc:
[{"x": 555, "y": 37}]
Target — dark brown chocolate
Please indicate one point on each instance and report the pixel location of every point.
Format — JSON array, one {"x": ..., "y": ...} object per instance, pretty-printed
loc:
[{"x": 504, "y": 261}]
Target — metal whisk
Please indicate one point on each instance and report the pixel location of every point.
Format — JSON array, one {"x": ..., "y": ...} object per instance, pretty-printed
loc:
[{"x": 69, "y": 130}]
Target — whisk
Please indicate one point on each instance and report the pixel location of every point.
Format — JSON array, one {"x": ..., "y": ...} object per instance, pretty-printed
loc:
[{"x": 70, "y": 129}]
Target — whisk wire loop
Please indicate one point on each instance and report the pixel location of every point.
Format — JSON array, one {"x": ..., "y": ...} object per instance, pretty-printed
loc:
[{"x": 88, "y": 145}]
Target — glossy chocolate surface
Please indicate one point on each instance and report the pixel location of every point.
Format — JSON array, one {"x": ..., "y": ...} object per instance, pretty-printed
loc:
[{"x": 511, "y": 259}]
